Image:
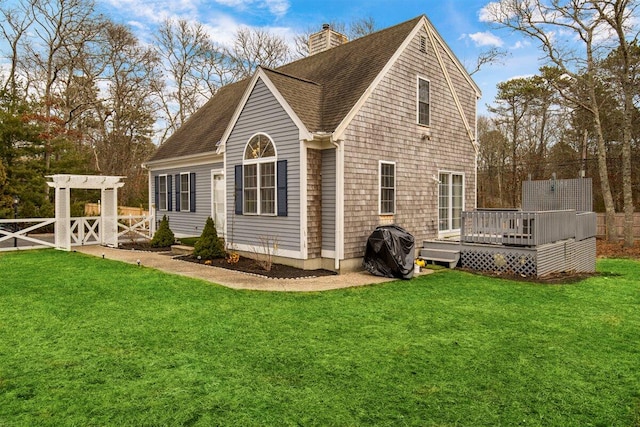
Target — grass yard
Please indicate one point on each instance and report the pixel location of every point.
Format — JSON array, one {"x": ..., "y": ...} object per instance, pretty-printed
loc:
[{"x": 87, "y": 341}]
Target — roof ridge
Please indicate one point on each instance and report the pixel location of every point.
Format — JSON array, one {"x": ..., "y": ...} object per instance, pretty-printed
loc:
[
  {"x": 349, "y": 42},
  {"x": 290, "y": 76}
]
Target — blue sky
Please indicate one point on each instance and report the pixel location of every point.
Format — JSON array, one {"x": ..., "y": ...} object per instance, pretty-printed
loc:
[{"x": 459, "y": 22}]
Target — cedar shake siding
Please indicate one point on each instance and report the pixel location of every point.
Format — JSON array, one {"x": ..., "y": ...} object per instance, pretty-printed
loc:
[
  {"x": 329, "y": 200},
  {"x": 187, "y": 223},
  {"x": 334, "y": 118},
  {"x": 263, "y": 114},
  {"x": 314, "y": 203},
  {"x": 386, "y": 129}
]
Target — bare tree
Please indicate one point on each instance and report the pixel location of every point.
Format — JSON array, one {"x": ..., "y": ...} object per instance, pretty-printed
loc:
[
  {"x": 62, "y": 30},
  {"x": 192, "y": 64},
  {"x": 490, "y": 56},
  {"x": 16, "y": 22},
  {"x": 619, "y": 14},
  {"x": 361, "y": 27},
  {"x": 253, "y": 47},
  {"x": 357, "y": 28},
  {"x": 549, "y": 22},
  {"x": 128, "y": 111}
]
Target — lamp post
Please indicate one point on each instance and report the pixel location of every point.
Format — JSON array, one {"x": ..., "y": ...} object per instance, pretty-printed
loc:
[{"x": 16, "y": 200}]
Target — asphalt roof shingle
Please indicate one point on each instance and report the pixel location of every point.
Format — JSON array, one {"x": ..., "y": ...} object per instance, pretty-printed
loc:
[{"x": 321, "y": 89}]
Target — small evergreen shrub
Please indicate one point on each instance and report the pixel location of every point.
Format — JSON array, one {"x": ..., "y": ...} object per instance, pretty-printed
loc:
[
  {"x": 209, "y": 245},
  {"x": 163, "y": 236}
]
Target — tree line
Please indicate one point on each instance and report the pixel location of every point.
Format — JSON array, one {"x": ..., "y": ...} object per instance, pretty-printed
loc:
[
  {"x": 578, "y": 116},
  {"x": 83, "y": 94}
]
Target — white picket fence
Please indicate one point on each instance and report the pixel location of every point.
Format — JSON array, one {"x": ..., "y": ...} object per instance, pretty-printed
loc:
[{"x": 30, "y": 233}]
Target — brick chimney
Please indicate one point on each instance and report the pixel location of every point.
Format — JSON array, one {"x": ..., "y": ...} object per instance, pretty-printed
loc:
[{"x": 325, "y": 39}]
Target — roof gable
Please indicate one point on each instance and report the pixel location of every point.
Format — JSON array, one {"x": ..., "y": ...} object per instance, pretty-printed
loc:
[
  {"x": 294, "y": 88},
  {"x": 320, "y": 92},
  {"x": 345, "y": 72}
]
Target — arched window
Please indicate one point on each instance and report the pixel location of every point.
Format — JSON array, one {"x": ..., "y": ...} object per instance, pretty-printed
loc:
[{"x": 259, "y": 166}]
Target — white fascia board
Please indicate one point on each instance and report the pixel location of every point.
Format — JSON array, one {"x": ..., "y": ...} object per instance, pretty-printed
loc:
[
  {"x": 304, "y": 133},
  {"x": 338, "y": 134},
  {"x": 260, "y": 74},
  {"x": 454, "y": 58},
  {"x": 190, "y": 160}
]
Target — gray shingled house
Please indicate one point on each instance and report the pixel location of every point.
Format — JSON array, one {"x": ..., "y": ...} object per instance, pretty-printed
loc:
[{"x": 319, "y": 152}]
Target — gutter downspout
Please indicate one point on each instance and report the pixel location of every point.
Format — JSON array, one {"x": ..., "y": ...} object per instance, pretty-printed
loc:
[{"x": 339, "y": 238}]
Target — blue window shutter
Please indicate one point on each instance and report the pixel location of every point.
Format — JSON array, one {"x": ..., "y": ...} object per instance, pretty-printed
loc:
[
  {"x": 238, "y": 188},
  {"x": 178, "y": 187},
  {"x": 282, "y": 188},
  {"x": 157, "y": 191},
  {"x": 192, "y": 192},
  {"x": 169, "y": 193}
]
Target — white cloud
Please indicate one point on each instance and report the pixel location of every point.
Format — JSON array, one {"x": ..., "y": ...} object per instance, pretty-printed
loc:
[
  {"x": 277, "y": 7},
  {"x": 489, "y": 11},
  {"x": 222, "y": 28},
  {"x": 520, "y": 44},
  {"x": 485, "y": 38}
]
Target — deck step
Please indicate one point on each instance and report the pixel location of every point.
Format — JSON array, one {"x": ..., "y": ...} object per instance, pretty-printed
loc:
[
  {"x": 181, "y": 250},
  {"x": 450, "y": 256}
]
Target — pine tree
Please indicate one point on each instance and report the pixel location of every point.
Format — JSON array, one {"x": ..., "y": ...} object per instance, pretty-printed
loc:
[
  {"x": 209, "y": 245},
  {"x": 164, "y": 236}
]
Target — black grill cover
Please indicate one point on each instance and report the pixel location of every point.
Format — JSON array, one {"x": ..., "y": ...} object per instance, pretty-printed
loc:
[{"x": 390, "y": 252}]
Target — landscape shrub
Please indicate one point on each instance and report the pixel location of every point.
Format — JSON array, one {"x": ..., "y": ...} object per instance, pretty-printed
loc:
[
  {"x": 163, "y": 236},
  {"x": 209, "y": 245}
]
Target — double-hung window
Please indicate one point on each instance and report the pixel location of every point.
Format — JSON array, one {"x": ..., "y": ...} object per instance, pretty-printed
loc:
[
  {"x": 259, "y": 180},
  {"x": 387, "y": 188},
  {"x": 450, "y": 201},
  {"x": 162, "y": 192},
  {"x": 184, "y": 192},
  {"x": 424, "y": 98}
]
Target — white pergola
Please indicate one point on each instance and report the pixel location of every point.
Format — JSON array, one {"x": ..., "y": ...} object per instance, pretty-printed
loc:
[{"x": 108, "y": 214}]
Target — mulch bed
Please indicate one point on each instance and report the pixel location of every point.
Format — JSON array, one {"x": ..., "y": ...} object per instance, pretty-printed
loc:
[
  {"x": 140, "y": 246},
  {"x": 248, "y": 265},
  {"x": 604, "y": 249}
]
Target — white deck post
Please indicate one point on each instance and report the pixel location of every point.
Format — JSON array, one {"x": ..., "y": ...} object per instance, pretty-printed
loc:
[
  {"x": 63, "y": 219},
  {"x": 109, "y": 217}
]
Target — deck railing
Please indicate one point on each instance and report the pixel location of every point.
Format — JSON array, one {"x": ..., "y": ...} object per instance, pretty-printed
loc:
[
  {"x": 517, "y": 227},
  {"x": 586, "y": 225}
]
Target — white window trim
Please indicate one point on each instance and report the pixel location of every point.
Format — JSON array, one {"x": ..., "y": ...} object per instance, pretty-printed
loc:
[
  {"x": 166, "y": 193},
  {"x": 418, "y": 101},
  {"x": 258, "y": 162},
  {"x": 395, "y": 186},
  {"x": 188, "y": 208},
  {"x": 450, "y": 231}
]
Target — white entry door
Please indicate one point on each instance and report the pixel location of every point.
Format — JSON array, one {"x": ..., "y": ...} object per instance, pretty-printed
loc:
[{"x": 218, "y": 200}]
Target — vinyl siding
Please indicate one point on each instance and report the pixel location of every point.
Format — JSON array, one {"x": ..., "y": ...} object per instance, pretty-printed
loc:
[
  {"x": 262, "y": 113},
  {"x": 386, "y": 129},
  {"x": 329, "y": 200},
  {"x": 188, "y": 223}
]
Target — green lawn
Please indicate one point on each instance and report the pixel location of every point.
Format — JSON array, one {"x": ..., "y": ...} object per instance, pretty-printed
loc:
[{"x": 87, "y": 341}]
